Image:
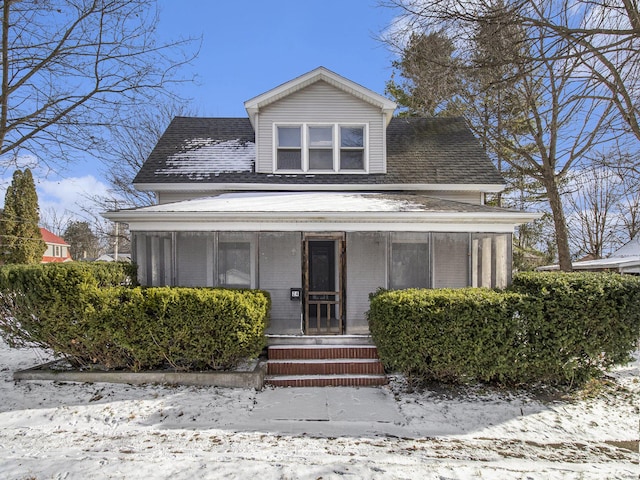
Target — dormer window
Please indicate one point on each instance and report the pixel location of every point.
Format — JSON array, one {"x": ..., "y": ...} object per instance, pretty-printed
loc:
[
  {"x": 289, "y": 148},
  {"x": 320, "y": 148}
]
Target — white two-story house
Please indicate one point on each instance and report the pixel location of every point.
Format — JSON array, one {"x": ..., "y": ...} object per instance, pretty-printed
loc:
[{"x": 320, "y": 196}]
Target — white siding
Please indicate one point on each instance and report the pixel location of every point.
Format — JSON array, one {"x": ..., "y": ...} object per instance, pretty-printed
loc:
[{"x": 322, "y": 103}]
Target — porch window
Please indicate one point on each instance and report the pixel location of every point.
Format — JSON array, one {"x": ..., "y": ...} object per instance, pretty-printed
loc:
[
  {"x": 451, "y": 260},
  {"x": 409, "y": 262},
  {"x": 236, "y": 262},
  {"x": 321, "y": 148},
  {"x": 234, "y": 265}
]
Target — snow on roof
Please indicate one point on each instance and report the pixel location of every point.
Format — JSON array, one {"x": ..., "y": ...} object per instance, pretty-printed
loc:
[
  {"x": 629, "y": 249},
  {"x": 626, "y": 264},
  {"x": 291, "y": 202},
  {"x": 205, "y": 157}
]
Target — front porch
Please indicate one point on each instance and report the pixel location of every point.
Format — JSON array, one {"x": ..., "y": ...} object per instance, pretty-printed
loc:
[{"x": 319, "y": 282}]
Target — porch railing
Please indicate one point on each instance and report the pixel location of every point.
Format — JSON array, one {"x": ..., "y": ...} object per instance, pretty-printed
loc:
[{"x": 323, "y": 313}]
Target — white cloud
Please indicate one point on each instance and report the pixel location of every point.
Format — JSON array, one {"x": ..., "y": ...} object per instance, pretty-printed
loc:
[{"x": 67, "y": 197}]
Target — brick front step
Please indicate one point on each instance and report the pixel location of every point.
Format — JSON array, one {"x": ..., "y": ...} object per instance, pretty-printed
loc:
[
  {"x": 327, "y": 380},
  {"x": 318, "y": 352},
  {"x": 353, "y": 366},
  {"x": 324, "y": 365}
]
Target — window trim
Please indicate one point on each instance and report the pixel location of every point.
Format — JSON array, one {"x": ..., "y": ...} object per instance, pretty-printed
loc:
[{"x": 336, "y": 147}]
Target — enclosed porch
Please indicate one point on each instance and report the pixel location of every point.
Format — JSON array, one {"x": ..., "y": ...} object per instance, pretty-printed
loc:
[{"x": 320, "y": 282}]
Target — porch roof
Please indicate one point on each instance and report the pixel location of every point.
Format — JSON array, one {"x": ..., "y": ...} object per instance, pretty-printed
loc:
[{"x": 320, "y": 207}]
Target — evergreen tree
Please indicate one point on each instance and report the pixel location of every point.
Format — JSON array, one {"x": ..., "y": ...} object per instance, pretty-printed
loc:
[
  {"x": 20, "y": 235},
  {"x": 84, "y": 243}
]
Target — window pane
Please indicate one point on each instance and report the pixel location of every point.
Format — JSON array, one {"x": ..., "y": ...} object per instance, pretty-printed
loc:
[
  {"x": 321, "y": 159},
  {"x": 289, "y": 137},
  {"x": 351, "y": 160},
  {"x": 289, "y": 160},
  {"x": 321, "y": 137},
  {"x": 409, "y": 265},
  {"x": 352, "y": 137},
  {"x": 234, "y": 264}
]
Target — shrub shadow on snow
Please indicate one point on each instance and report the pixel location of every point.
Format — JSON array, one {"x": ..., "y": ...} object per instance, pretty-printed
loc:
[{"x": 392, "y": 411}]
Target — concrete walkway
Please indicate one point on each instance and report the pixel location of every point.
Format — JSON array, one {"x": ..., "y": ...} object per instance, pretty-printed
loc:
[{"x": 325, "y": 411}]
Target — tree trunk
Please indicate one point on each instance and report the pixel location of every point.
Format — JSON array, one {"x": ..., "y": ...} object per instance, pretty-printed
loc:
[{"x": 560, "y": 224}]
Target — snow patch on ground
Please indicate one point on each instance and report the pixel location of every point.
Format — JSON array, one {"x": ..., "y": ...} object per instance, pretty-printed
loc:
[{"x": 72, "y": 430}]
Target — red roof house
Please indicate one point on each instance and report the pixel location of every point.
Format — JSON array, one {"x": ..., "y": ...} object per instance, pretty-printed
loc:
[{"x": 57, "y": 249}]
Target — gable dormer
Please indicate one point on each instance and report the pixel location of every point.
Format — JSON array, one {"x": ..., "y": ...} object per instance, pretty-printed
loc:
[{"x": 320, "y": 123}]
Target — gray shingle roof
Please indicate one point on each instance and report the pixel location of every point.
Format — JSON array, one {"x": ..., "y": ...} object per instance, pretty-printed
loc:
[{"x": 222, "y": 150}]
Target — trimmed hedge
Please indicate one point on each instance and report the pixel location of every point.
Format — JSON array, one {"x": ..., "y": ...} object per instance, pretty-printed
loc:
[
  {"x": 93, "y": 320},
  {"x": 585, "y": 322},
  {"x": 551, "y": 328}
]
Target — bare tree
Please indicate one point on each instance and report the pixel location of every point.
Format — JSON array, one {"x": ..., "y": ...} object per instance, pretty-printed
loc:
[
  {"x": 129, "y": 149},
  {"x": 604, "y": 35},
  {"x": 72, "y": 68},
  {"x": 624, "y": 166},
  {"x": 591, "y": 210},
  {"x": 561, "y": 115},
  {"x": 55, "y": 221}
]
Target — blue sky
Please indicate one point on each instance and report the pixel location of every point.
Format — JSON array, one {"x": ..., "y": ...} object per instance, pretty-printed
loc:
[
  {"x": 251, "y": 46},
  {"x": 248, "y": 47}
]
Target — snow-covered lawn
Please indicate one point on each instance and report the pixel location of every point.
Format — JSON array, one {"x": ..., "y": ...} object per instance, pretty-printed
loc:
[{"x": 95, "y": 431}]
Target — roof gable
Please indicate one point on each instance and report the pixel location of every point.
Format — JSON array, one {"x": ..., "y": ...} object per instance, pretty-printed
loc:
[
  {"x": 254, "y": 105},
  {"x": 51, "y": 238}
]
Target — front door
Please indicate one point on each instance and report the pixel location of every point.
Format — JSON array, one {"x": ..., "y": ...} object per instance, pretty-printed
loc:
[{"x": 323, "y": 292}]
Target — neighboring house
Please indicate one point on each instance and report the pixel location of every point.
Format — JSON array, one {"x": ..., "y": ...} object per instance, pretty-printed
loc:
[
  {"x": 57, "y": 251},
  {"x": 624, "y": 260},
  {"x": 110, "y": 257},
  {"x": 320, "y": 197}
]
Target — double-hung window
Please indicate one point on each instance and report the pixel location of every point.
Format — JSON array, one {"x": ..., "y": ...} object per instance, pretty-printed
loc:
[
  {"x": 289, "y": 148},
  {"x": 321, "y": 148}
]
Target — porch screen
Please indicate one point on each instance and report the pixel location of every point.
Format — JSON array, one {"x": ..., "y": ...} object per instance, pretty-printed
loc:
[
  {"x": 235, "y": 260},
  {"x": 450, "y": 260},
  {"x": 154, "y": 258},
  {"x": 409, "y": 261},
  {"x": 194, "y": 259}
]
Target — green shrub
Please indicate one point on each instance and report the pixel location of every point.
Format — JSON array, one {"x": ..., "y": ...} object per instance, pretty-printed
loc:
[
  {"x": 92, "y": 320},
  {"x": 448, "y": 335},
  {"x": 585, "y": 321},
  {"x": 556, "y": 329},
  {"x": 29, "y": 294}
]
